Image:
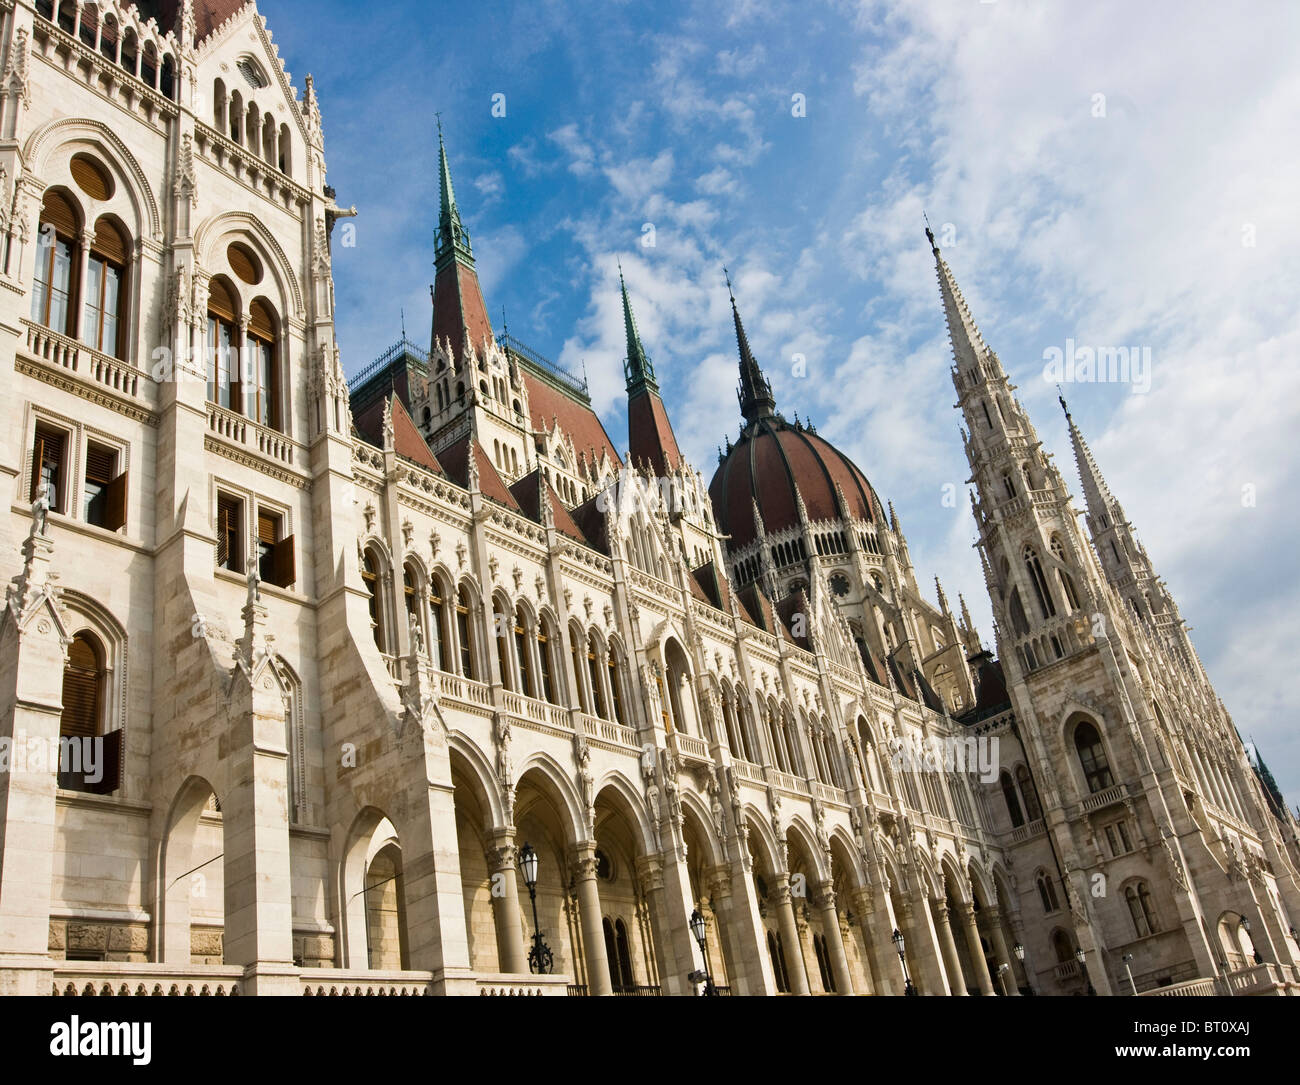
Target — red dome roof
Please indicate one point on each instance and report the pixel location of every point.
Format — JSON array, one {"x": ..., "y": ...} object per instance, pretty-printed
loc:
[{"x": 772, "y": 458}]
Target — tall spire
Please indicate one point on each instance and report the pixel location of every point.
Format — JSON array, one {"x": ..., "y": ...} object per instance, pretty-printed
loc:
[
  {"x": 968, "y": 346},
  {"x": 755, "y": 393},
  {"x": 637, "y": 368},
  {"x": 650, "y": 434},
  {"x": 453, "y": 238},
  {"x": 1096, "y": 494},
  {"x": 459, "y": 312}
]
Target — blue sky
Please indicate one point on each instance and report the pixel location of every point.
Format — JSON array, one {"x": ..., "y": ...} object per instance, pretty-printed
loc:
[{"x": 1112, "y": 173}]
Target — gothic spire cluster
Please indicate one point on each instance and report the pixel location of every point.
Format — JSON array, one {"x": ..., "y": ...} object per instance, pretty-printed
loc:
[{"x": 637, "y": 368}]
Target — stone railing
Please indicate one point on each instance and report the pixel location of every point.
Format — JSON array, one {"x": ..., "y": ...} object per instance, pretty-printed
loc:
[
  {"x": 1257, "y": 980},
  {"x": 747, "y": 770},
  {"x": 830, "y": 793},
  {"x": 529, "y": 709},
  {"x": 346, "y": 981},
  {"x": 690, "y": 746},
  {"x": 127, "y": 978},
  {"x": 608, "y": 730},
  {"x": 789, "y": 783},
  {"x": 1199, "y": 988},
  {"x": 238, "y": 430},
  {"x": 1027, "y": 831},
  {"x": 1113, "y": 794},
  {"x": 1066, "y": 970},
  {"x": 506, "y": 984},
  {"x": 93, "y": 366}
]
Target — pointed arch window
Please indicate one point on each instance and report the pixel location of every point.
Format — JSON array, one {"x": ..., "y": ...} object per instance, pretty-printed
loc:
[
  {"x": 105, "y": 293},
  {"x": 1012, "y": 800},
  {"x": 437, "y": 625},
  {"x": 1092, "y": 757},
  {"x": 616, "y": 685},
  {"x": 223, "y": 346},
  {"x": 545, "y": 663},
  {"x": 1041, "y": 589},
  {"x": 1033, "y": 810},
  {"x": 82, "y": 767},
  {"x": 1140, "y": 909},
  {"x": 262, "y": 394},
  {"x": 777, "y": 952},
  {"x": 56, "y": 248},
  {"x": 370, "y": 578},
  {"x": 594, "y": 656},
  {"x": 463, "y": 633},
  {"x": 523, "y": 655},
  {"x": 1047, "y": 894}
]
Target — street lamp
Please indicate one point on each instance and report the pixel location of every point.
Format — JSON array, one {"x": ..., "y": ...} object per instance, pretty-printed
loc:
[
  {"x": 540, "y": 959},
  {"x": 1128, "y": 959},
  {"x": 700, "y": 929},
  {"x": 1082, "y": 958},
  {"x": 897, "y": 939},
  {"x": 1245, "y": 926},
  {"x": 1019, "y": 951}
]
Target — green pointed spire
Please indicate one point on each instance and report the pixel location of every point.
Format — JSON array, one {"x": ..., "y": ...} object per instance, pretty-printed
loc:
[
  {"x": 453, "y": 238},
  {"x": 638, "y": 371}
]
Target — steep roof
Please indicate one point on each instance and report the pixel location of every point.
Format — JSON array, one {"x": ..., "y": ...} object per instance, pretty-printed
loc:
[
  {"x": 408, "y": 441},
  {"x": 527, "y": 493},
  {"x": 455, "y": 462},
  {"x": 548, "y": 405}
]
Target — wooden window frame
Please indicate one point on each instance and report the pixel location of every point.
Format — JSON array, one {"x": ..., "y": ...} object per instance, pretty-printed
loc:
[
  {"x": 276, "y": 564},
  {"x": 111, "y": 513},
  {"x": 229, "y": 534}
]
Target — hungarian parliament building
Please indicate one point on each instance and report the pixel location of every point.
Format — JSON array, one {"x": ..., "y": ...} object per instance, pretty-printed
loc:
[{"x": 421, "y": 682}]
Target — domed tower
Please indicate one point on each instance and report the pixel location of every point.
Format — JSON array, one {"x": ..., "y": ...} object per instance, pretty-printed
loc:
[{"x": 798, "y": 514}]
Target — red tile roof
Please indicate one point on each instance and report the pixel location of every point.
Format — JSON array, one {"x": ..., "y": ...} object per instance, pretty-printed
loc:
[
  {"x": 526, "y": 493},
  {"x": 455, "y": 462},
  {"x": 548, "y": 405},
  {"x": 459, "y": 313},
  {"x": 650, "y": 434},
  {"x": 409, "y": 442}
]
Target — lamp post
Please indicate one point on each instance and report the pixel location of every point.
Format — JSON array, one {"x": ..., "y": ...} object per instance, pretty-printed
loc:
[
  {"x": 1245, "y": 926},
  {"x": 1082, "y": 958},
  {"x": 899, "y": 945},
  {"x": 1003, "y": 969},
  {"x": 699, "y": 929},
  {"x": 1128, "y": 959},
  {"x": 1019, "y": 951},
  {"x": 540, "y": 959}
]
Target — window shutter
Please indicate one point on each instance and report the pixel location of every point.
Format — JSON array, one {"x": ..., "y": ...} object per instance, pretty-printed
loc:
[
  {"x": 81, "y": 682},
  {"x": 110, "y": 765},
  {"x": 283, "y": 569},
  {"x": 101, "y": 463},
  {"x": 109, "y": 243},
  {"x": 57, "y": 211},
  {"x": 115, "y": 503},
  {"x": 220, "y": 301},
  {"x": 38, "y": 458}
]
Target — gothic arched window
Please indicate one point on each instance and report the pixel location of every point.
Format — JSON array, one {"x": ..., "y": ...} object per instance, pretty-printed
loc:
[
  {"x": 1033, "y": 811},
  {"x": 1012, "y": 800},
  {"x": 1138, "y": 899},
  {"x": 1047, "y": 893},
  {"x": 1092, "y": 757},
  {"x": 56, "y": 254},
  {"x": 370, "y": 576},
  {"x": 103, "y": 326},
  {"x": 1041, "y": 589}
]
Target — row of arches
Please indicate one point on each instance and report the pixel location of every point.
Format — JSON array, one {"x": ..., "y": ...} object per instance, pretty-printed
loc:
[
  {"x": 119, "y": 45},
  {"x": 245, "y": 124}
]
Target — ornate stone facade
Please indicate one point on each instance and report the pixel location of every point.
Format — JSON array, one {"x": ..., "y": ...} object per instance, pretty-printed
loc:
[{"x": 333, "y": 659}]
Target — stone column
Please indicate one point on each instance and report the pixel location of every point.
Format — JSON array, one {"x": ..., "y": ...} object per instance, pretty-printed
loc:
[
  {"x": 978, "y": 961},
  {"x": 77, "y": 296},
  {"x": 1000, "y": 950},
  {"x": 878, "y": 925},
  {"x": 794, "y": 964},
  {"x": 825, "y": 902},
  {"x": 923, "y": 953},
  {"x": 502, "y": 858},
  {"x": 593, "y": 935},
  {"x": 951, "y": 961},
  {"x": 32, "y": 656}
]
